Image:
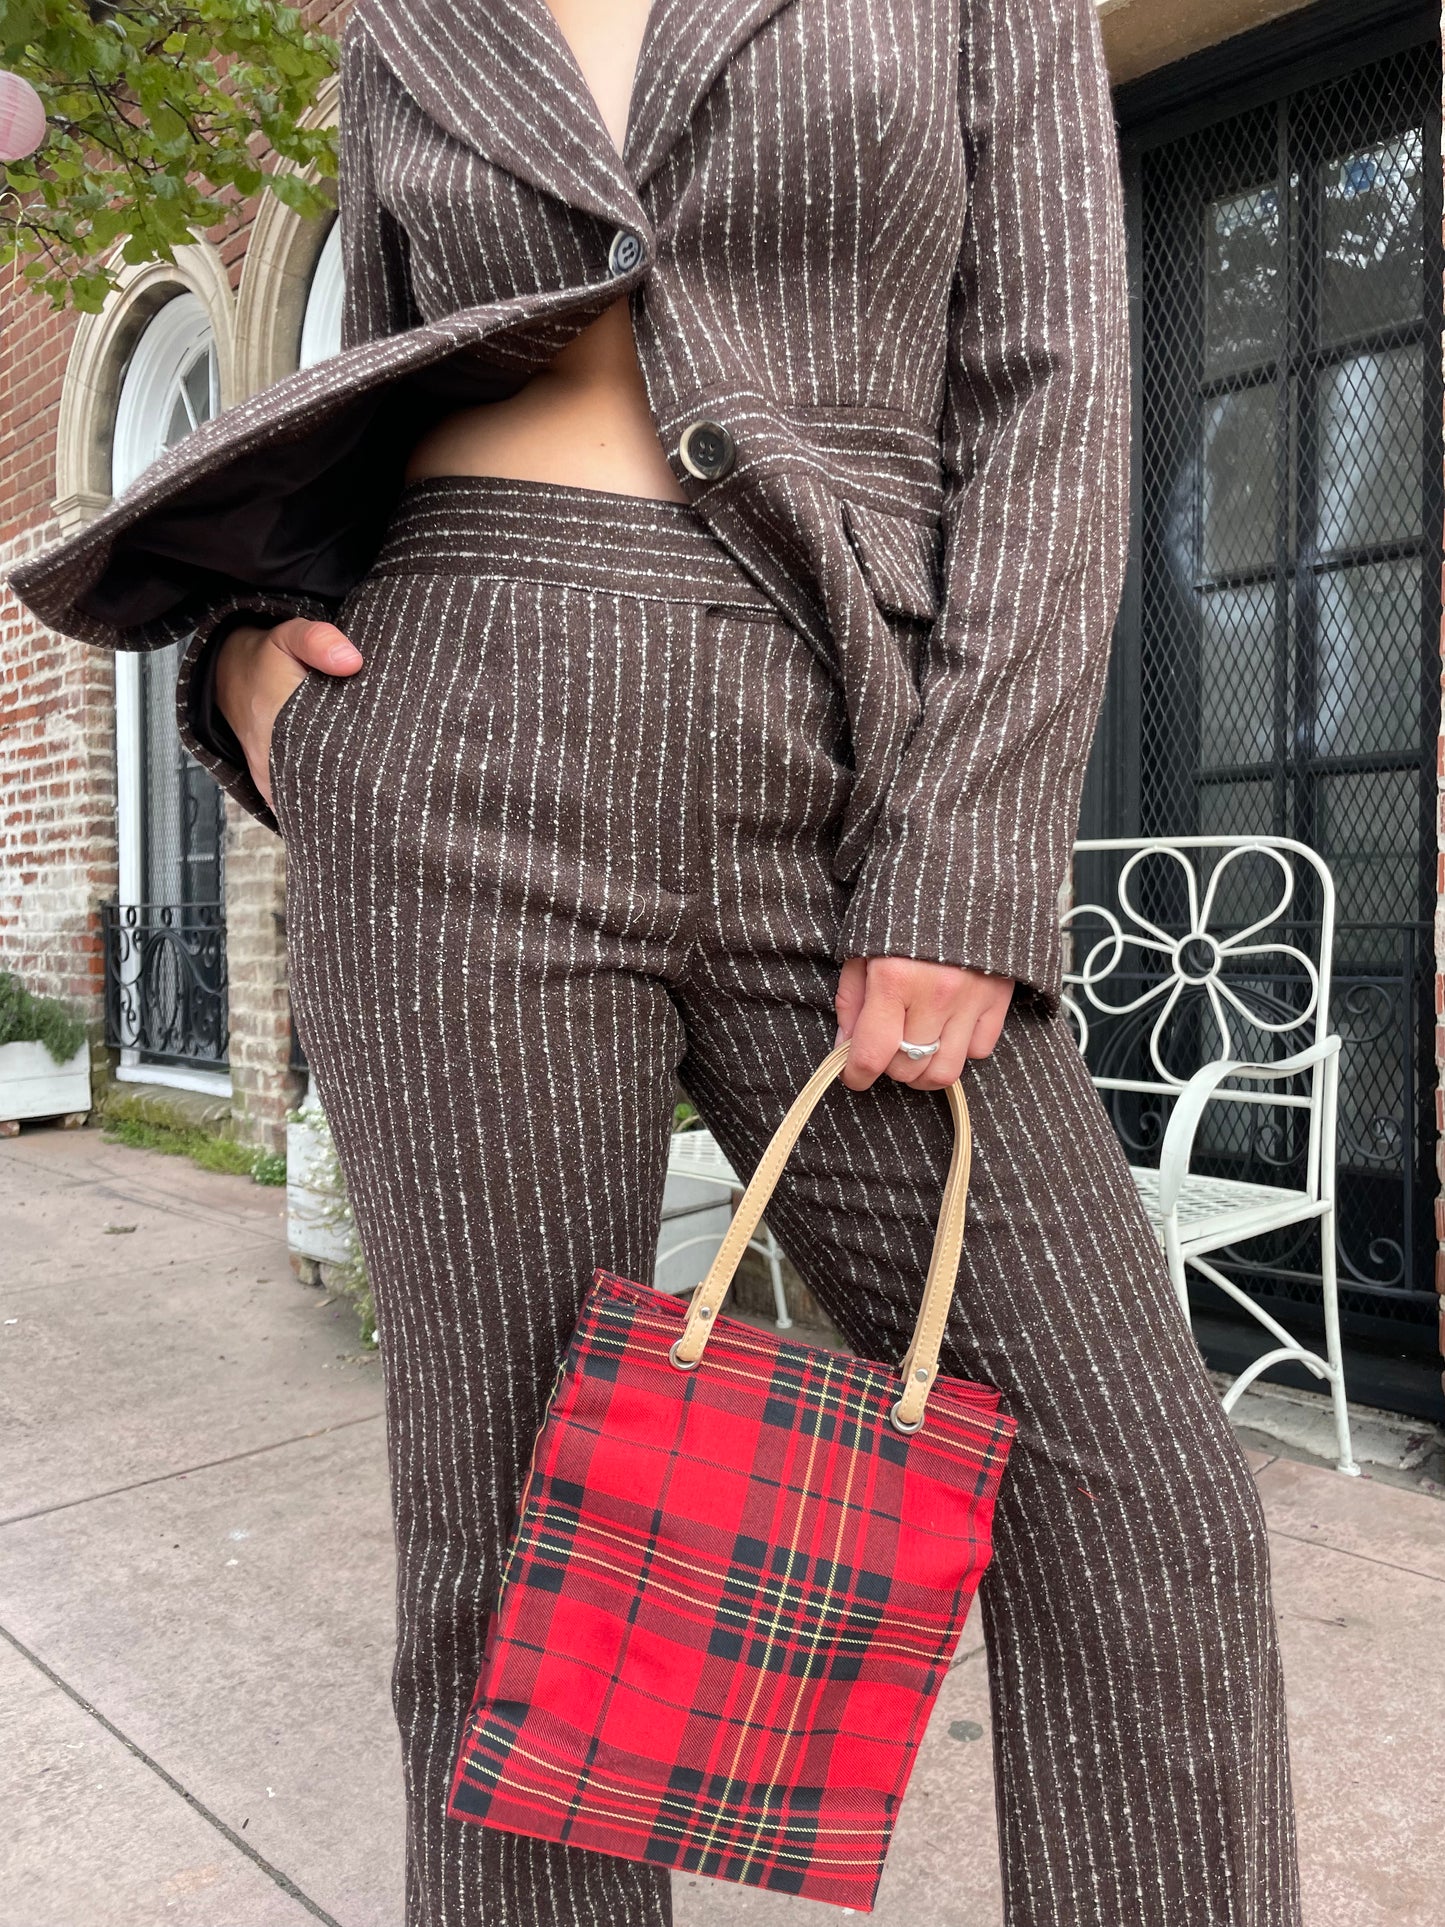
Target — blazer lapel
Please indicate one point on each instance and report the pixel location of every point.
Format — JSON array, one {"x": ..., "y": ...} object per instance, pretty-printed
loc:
[
  {"x": 685, "y": 48},
  {"x": 498, "y": 75}
]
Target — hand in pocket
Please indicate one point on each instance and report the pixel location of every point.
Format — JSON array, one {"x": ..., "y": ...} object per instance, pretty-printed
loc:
[{"x": 257, "y": 670}]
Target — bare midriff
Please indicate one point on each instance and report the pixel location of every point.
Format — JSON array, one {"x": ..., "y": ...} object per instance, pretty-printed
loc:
[{"x": 584, "y": 419}]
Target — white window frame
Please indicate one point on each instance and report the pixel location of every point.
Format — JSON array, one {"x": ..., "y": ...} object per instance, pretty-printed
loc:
[
  {"x": 321, "y": 320},
  {"x": 164, "y": 354}
]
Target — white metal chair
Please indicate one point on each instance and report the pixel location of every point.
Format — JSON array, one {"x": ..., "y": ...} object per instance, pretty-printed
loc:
[
  {"x": 1209, "y": 965},
  {"x": 696, "y": 1154}
]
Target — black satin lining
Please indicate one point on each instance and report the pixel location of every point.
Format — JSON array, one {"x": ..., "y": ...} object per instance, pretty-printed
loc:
[{"x": 301, "y": 516}]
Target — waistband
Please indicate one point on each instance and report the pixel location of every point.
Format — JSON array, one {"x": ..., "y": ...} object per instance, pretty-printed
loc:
[{"x": 580, "y": 538}]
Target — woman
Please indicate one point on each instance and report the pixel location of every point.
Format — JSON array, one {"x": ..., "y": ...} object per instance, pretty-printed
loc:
[{"x": 668, "y": 635}]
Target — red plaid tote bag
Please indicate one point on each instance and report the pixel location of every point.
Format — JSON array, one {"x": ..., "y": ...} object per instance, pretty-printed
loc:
[{"x": 740, "y": 1571}]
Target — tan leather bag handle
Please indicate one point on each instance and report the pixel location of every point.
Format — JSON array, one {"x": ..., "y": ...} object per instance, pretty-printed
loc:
[{"x": 920, "y": 1367}]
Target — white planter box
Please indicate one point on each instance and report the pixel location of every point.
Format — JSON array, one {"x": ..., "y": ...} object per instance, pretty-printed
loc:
[
  {"x": 307, "y": 1233},
  {"x": 32, "y": 1084}
]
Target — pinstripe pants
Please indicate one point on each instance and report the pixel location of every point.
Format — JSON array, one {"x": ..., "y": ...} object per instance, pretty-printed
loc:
[{"x": 564, "y": 839}]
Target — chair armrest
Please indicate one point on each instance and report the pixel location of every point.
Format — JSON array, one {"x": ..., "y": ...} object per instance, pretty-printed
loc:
[{"x": 1178, "y": 1147}]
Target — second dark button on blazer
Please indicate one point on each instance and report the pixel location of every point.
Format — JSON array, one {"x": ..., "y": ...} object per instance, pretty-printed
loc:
[{"x": 877, "y": 243}]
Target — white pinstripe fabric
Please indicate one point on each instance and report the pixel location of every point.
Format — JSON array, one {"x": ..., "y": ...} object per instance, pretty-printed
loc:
[
  {"x": 569, "y": 833},
  {"x": 882, "y": 244},
  {"x": 565, "y": 834}
]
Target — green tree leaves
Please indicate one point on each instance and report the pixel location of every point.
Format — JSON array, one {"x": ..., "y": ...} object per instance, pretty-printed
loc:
[{"x": 160, "y": 113}]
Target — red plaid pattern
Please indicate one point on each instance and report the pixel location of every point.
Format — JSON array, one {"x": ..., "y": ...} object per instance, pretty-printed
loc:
[{"x": 729, "y": 1603}]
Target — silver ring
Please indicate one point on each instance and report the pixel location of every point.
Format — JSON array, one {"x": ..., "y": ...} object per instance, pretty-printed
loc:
[{"x": 919, "y": 1051}]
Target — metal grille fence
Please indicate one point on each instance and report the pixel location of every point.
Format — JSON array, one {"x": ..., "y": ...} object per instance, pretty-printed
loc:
[
  {"x": 1280, "y": 641},
  {"x": 165, "y": 982}
]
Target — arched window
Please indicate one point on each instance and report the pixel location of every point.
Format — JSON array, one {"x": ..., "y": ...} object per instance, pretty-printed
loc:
[
  {"x": 321, "y": 322},
  {"x": 171, "y": 820},
  {"x": 170, "y": 387}
]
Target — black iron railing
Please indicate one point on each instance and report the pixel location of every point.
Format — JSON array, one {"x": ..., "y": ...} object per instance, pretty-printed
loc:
[{"x": 165, "y": 982}]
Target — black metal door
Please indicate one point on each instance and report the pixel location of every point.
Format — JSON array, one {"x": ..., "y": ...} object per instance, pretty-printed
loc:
[
  {"x": 166, "y": 956},
  {"x": 1277, "y": 662}
]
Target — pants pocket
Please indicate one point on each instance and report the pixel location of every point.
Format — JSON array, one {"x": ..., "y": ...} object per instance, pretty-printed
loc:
[
  {"x": 313, "y": 688},
  {"x": 281, "y": 728}
]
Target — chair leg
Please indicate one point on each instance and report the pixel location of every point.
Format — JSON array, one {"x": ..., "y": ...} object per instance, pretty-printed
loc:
[
  {"x": 1175, "y": 1256},
  {"x": 1333, "y": 1351},
  {"x": 775, "y": 1266}
]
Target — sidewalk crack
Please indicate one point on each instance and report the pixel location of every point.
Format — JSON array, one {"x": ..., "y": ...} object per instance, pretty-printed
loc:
[
  {"x": 274, "y": 1873},
  {"x": 1345, "y": 1552},
  {"x": 181, "y": 1471}
]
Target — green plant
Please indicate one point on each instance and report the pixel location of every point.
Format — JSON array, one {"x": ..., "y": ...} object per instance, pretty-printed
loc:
[
  {"x": 155, "y": 111},
  {"x": 125, "y": 1124},
  {"x": 269, "y": 1167},
  {"x": 27, "y": 1019}
]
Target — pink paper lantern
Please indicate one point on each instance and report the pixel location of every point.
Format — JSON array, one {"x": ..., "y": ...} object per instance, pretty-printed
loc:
[{"x": 22, "y": 118}]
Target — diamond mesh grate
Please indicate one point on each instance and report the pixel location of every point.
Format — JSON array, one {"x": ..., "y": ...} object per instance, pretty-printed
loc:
[{"x": 1282, "y": 632}]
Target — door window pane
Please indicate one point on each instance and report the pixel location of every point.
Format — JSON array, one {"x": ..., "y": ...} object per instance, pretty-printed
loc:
[
  {"x": 1236, "y": 809},
  {"x": 1237, "y": 676},
  {"x": 1240, "y": 494},
  {"x": 1243, "y": 280},
  {"x": 1373, "y": 273},
  {"x": 1372, "y": 427},
  {"x": 1369, "y": 833},
  {"x": 1367, "y": 692}
]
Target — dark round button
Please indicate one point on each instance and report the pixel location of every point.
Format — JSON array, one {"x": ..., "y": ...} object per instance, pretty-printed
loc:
[
  {"x": 625, "y": 252},
  {"x": 707, "y": 450}
]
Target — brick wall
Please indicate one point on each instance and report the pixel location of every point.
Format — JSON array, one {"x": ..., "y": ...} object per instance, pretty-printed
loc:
[
  {"x": 57, "y": 706},
  {"x": 1440, "y": 978},
  {"x": 263, "y": 1085},
  {"x": 1440, "y": 1008},
  {"x": 58, "y": 854},
  {"x": 57, "y": 801}
]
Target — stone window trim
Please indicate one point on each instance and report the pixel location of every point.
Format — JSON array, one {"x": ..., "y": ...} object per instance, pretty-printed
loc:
[
  {"x": 100, "y": 355},
  {"x": 285, "y": 258}
]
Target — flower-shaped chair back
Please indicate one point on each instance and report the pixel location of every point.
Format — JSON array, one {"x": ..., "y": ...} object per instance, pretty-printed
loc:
[{"x": 1192, "y": 949}]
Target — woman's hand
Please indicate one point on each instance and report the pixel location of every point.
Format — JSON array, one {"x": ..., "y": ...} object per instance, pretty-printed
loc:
[
  {"x": 257, "y": 669},
  {"x": 883, "y": 1001}
]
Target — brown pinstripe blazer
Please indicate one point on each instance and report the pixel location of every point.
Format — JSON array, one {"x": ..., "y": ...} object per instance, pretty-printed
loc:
[{"x": 881, "y": 243}]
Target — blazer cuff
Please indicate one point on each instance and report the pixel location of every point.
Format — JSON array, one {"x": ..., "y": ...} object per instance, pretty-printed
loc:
[
  {"x": 926, "y": 903},
  {"x": 203, "y": 729}
]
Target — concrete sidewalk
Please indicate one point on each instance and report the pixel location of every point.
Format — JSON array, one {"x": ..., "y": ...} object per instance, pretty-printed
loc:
[{"x": 196, "y": 1604}]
